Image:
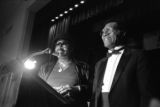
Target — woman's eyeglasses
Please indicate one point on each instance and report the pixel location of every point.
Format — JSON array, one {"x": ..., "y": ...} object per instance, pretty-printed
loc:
[{"x": 61, "y": 43}]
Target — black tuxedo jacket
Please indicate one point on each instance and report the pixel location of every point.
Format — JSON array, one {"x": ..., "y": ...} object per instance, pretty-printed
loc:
[{"x": 129, "y": 83}]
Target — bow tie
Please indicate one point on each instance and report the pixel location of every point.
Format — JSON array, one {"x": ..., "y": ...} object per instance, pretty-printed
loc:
[{"x": 114, "y": 52}]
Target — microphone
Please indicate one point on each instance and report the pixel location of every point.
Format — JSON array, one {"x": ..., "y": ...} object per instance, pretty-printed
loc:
[
  {"x": 45, "y": 51},
  {"x": 48, "y": 51}
]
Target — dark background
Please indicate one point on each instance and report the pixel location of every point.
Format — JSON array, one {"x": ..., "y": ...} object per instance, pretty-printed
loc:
[{"x": 140, "y": 17}]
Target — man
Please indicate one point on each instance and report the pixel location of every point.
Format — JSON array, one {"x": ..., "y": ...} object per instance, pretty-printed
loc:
[
  {"x": 66, "y": 75},
  {"x": 120, "y": 78}
]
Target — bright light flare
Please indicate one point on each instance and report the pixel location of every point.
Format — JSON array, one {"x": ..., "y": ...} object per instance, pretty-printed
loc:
[
  {"x": 70, "y": 9},
  {"x": 76, "y": 5},
  {"x": 65, "y": 12},
  {"x": 61, "y": 15},
  {"x": 82, "y": 1},
  {"x": 53, "y": 20},
  {"x": 30, "y": 64}
]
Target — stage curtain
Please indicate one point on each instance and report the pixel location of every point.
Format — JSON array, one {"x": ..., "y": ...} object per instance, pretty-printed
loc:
[
  {"x": 84, "y": 12},
  {"x": 10, "y": 77},
  {"x": 57, "y": 30}
]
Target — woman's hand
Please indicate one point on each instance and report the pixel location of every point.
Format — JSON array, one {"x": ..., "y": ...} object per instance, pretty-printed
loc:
[{"x": 67, "y": 90}]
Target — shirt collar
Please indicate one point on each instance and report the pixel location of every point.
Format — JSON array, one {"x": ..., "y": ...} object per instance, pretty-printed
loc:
[{"x": 115, "y": 49}]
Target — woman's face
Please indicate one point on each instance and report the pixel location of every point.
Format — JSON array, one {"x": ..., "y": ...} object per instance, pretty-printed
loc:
[{"x": 62, "y": 48}]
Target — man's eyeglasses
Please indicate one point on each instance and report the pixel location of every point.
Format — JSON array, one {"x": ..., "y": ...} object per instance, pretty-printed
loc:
[{"x": 104, "y": 33}]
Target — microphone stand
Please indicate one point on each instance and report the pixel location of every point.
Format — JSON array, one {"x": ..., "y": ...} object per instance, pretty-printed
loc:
[
  {"x": 42, "y": 82},
  {"x": 46, "y": 51}
]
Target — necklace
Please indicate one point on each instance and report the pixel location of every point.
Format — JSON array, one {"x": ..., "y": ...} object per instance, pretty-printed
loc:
[
  {"x": 60, "y": 69},
  {"x": 63, "y": 66}
]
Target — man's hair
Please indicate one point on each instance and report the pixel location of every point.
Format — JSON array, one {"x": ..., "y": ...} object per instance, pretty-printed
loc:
[{"x": 120, "y": 24}]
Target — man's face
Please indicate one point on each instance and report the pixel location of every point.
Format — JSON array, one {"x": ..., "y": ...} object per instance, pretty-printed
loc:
[
  {"x": 62, "y": 48},
  {"x": 109, "y": 34}
]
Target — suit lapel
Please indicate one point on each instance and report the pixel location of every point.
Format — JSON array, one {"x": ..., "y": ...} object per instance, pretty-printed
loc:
[
  {"x": 120, "y": 68},
  {"x": 101, "y": 71}
]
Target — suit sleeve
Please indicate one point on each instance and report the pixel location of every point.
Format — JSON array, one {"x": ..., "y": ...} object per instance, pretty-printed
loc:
[
  {"x": 142, "y": 78},
  {"x": 83, "y": 70}
]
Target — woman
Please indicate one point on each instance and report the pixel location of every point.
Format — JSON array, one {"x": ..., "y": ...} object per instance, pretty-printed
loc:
[{"x": 67, "y": 76}]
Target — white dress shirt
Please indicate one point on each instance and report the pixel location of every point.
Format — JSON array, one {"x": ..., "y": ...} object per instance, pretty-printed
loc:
[{"x": 110, "y": 70}]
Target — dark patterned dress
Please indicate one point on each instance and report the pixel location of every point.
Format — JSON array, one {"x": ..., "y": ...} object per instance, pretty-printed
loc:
[{"x": 76, "y": 74}]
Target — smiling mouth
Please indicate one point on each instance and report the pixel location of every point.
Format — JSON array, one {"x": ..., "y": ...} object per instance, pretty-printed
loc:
[{"x": 61, "y": 50}]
